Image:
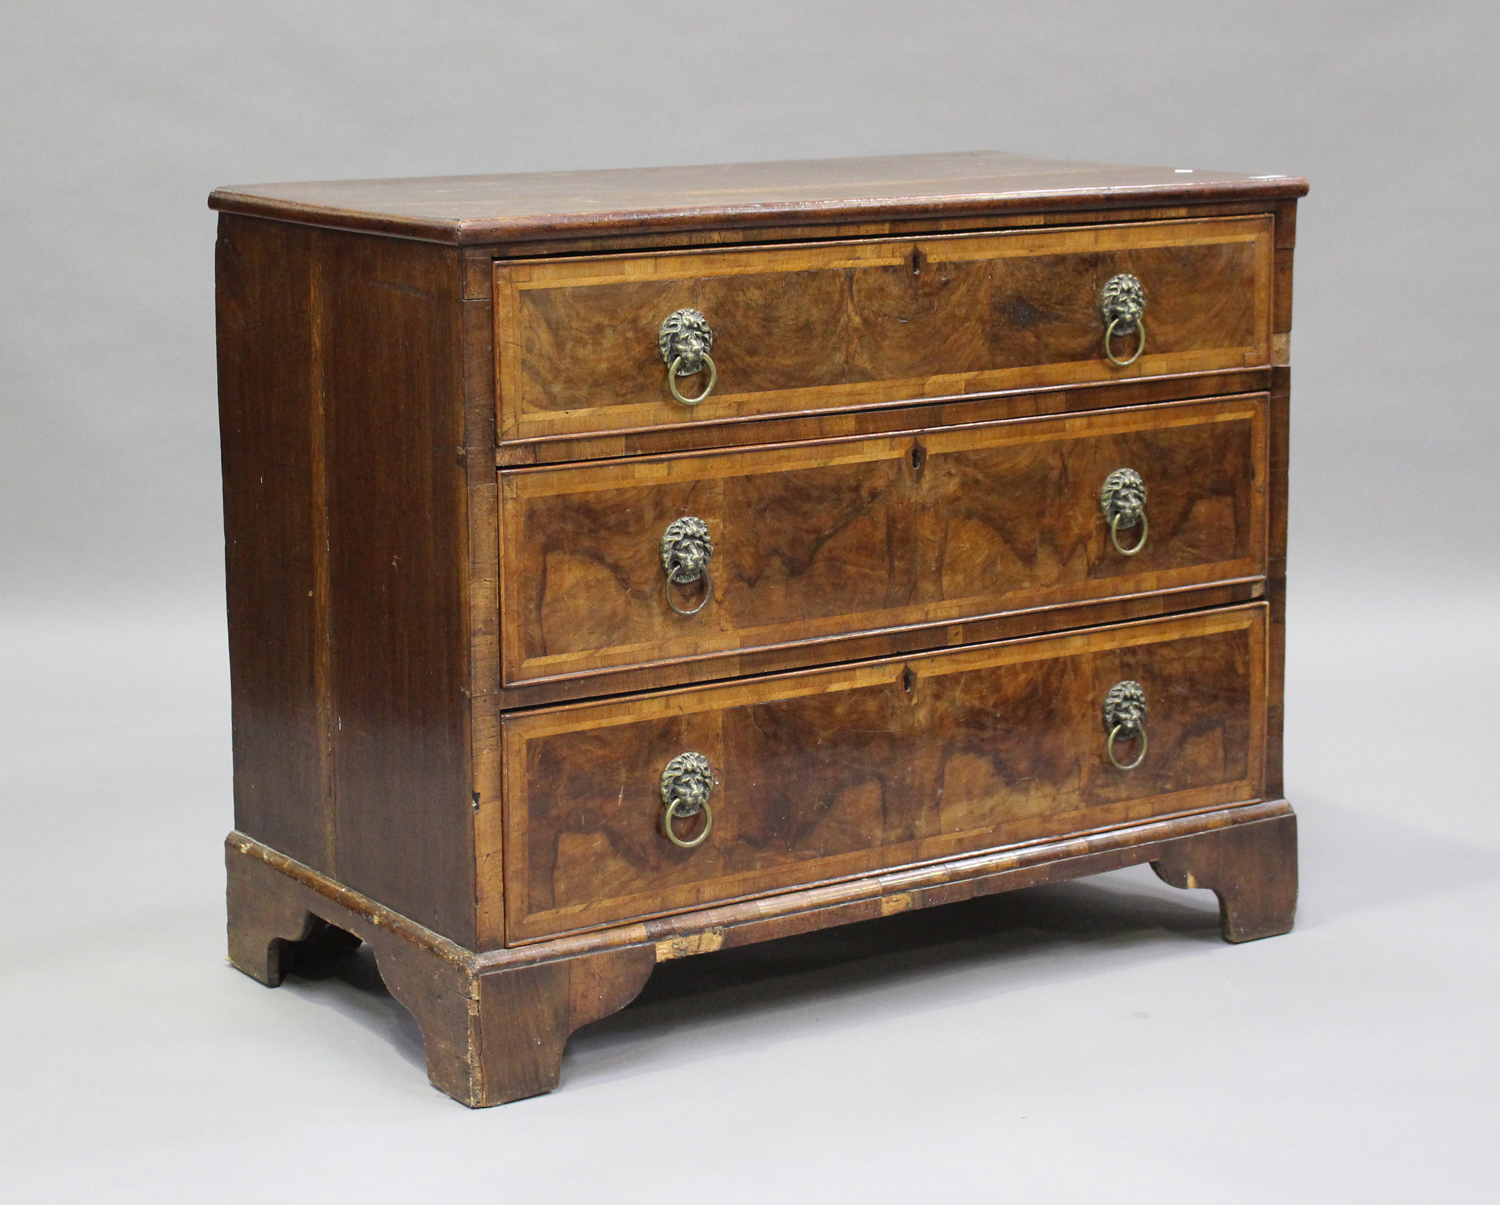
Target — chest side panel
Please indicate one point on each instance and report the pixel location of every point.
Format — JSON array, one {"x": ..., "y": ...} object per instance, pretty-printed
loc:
[
  {"x": 398, "y": 622},
  {"x": 275, "y": 547}
]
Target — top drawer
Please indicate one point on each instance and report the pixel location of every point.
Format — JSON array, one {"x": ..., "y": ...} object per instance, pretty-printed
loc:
[{"x": 835, "y": 326}]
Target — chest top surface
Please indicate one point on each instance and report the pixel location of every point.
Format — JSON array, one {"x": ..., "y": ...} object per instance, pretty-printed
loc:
[{"x": 500, "y": 208}]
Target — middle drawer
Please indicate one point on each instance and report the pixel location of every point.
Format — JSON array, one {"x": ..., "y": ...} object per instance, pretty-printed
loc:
[{"x": 820, "y": 540}]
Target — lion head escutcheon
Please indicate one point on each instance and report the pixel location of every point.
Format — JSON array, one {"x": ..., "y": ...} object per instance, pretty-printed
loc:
[
  {"x": 684, "y": 341},
  {"x": 686, "y": 549},
  {"x": 1124, "y": 715},
  {"x": 686, "y": 784},
  {"x": 1123, "y": 501},
  {"x": 1122, "y": 305}
]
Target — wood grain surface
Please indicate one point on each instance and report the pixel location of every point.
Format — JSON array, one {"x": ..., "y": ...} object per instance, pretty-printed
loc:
[
  {"x": 847, "y": 324},
  {"x": 909, "y": 416},
  {"x": 886, "y": 642},
  {"x": 539, "y": 205},
  {"x": 347, "y": 558},
  {"x": 1251, "y": 868},
  {"x": 397, "y": 577},
  {"x": 479, "y": 259},
  {"x": 847, "y": 771},
  {"x": 822, "y": 540},
  {"x": 275, "y": 564}
]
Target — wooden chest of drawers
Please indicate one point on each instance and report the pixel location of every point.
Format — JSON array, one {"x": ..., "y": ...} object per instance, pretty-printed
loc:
[{"x": 625, "y": 565}]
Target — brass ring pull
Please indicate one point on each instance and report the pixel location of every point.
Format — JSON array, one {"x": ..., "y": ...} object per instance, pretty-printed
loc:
[
  {"x": 1122, "y": 305},
  {"x": 686, "y": 548},
  {"x": 666, "y": 826},
  {"x": 1123, "y": 501},
  {"x": 708, "y": 593},
  {"x": 684, "y": 340},
  {"x": 1109, "y": 747},
  {"x": 713, "y": 379},
  {"x": 1109, "y": 334},
  {"x": 1125, "y": 716},
  {"x": 686, "y": 784},
  {"x": 1114, "y": 534}
]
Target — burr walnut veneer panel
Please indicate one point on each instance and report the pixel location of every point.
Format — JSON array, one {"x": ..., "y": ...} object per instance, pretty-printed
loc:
[
  {"x": 839, "y": 325},
  {"x": 850, "y": 770},
  {"x": 826, "y": 539}
]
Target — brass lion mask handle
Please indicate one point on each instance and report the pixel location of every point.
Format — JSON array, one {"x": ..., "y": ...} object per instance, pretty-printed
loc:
[
  {"x": 686, "y": 784},
  {"x": 1122, "y": 304},
  {"x": 1123, "y": 501},
  {"x": 684, "y": 340},
  {"x": 686, "y": 549},
  {"x": 1125, "y": 720}
]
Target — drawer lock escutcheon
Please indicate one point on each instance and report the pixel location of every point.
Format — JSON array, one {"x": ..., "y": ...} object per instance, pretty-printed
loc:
[
  {"x": 686, "y": 549},
  {"x": 684, "y": 340},
  {"x": 1122, "y": 304},
  {"x": 1123, "y": 500},
  {"x": 686, "y": 784},
  {"x": 1125, "y": 720}
]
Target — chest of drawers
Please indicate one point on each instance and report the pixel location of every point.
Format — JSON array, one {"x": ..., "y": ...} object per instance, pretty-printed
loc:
[{"x": 626, "y": 565}]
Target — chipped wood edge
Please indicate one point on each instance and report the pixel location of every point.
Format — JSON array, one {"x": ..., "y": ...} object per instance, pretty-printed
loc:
[{"x": 360, "y": 905}]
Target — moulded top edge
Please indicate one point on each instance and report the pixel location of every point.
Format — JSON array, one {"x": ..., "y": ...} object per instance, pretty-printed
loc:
[{"x": 467, "y": 210}]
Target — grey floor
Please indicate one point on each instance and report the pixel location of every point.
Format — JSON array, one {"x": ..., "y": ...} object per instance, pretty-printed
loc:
[{"x": 1085, "y": 1042}]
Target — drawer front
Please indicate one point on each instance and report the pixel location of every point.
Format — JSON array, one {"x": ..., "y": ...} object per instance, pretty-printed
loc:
[
  {"x": 847, "y": 771},
  {"x": 822, "y": 540},
  {"x": 840, "y": 325}
]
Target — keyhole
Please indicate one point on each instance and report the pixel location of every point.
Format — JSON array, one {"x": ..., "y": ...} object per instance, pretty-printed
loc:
[
  {"x": 916, "y": 261},
  {"x": 918, "y": 454},
  {"x": 908, "y": 679}
]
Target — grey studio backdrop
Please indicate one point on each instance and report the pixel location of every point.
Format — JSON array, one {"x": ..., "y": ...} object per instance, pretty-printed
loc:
[{"x": 1087, "y": 1042}]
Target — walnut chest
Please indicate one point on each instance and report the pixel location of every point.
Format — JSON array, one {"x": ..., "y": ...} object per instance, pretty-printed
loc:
[{"x": 629, "y": 564}]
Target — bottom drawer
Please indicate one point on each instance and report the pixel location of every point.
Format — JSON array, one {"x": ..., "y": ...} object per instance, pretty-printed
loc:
[{"x": 840, "y": 772}]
